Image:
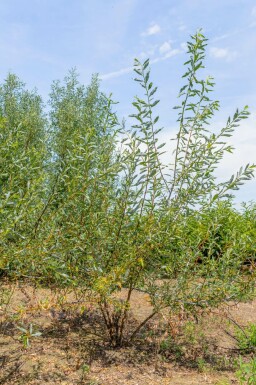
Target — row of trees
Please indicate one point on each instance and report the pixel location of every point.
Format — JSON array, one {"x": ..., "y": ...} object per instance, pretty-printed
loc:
[{"x": 83, "y": 200}]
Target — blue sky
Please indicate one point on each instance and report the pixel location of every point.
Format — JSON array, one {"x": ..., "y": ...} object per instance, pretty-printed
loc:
[{"x": 40, "y": 40}]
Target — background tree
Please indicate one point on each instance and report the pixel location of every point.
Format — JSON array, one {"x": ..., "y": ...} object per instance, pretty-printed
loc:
[
  {"x": 23, "y": 157},
  {"x": 83, "y": 130}
]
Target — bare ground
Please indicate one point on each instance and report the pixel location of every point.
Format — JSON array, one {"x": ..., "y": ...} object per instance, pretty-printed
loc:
[{"x": 73, "y": 348}]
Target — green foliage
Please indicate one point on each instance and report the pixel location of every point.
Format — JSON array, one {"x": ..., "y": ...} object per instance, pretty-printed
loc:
[
  {"x": 246, "y": 372},
  {"x": 22, "y": 167},
  {"x": 82, "y": 177},
  {"x": 222, "y": 230},
  {"x": 86, "y": 201},
  {"x": 247, "y": 338},
  {"x": 5, "y": 297},
  {"x": 27, "y": 335}
]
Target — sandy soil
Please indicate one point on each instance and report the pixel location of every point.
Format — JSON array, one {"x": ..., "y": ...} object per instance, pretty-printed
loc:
[{"x": 73, "y": 349}]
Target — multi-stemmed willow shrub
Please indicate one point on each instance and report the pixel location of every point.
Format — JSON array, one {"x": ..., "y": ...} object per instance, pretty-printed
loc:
[
  {"x": 146, "y": 216},
  {"x": 106, "y": 212},
  {"x": 120, "y": 218}
]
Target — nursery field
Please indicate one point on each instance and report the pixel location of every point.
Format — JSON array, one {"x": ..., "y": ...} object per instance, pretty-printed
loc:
[
  {"x": 117, "y": 267},
  {"x": 58, "y": 337}
]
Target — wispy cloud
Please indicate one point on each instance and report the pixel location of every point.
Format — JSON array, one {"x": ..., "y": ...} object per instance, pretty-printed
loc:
[
  {"x": 166, "y": 52},
  {"x": 223, "y": 53},
  {"x": 152, "y": 30},
  {"x": 165, "y": 47},
  {"x": 235, "y": 32},
  {"x": 149, "y": 52},
  {"x": 116, "y": 74},
  {"x": 224, "y": 36},
  {"x": 253, "y": 16},
  {"x": 182, "y": 27},
  {"x": 184, "y": 46},
  {"x": 167, "y": 55}
]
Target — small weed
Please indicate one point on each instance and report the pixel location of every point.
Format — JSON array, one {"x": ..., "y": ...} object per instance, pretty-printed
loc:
[
  {"x": 202, "y": 365},
  {"x": 85, "y": 369},
  {"x": 195, "y": 339},
  {"x": 84, "y": 378},
  {"x": 246, "y": 338},
  {"x": 27, "y": 334},
  {"x": 246, "y": 373},
  {"x": 224, "y": 363},
  {"x": 44, "y": 304},
  {"x": 190, "y": 333},
  {"x": 168, "y": 346}
]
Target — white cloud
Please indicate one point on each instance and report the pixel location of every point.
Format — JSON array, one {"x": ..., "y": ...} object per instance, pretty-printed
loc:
[
  {"x": 184, "y": 46},
  {"x": 182, "y": 27},
  {"x": 165, "y": 47},
  {"x": 171, "y": 53},
  {"x": 219, "y": 52},
  {"x": 224, "y": 36},
  {"x": 222, "y": 53},
  {"x": 148, "y": 52},
  {"x": 166, "y": 52},
  {"x": 253, "y": 12},
  {"x": 116, "y": 74},
  {"x": 167, "y": 55},
  {"x": 126, "y": 70},
  {"x": 253, "y": 15},
  {"x": 152, "y": 30}
]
